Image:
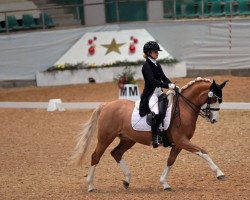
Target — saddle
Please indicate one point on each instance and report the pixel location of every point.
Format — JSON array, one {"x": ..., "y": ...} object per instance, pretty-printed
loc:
[{"x": 139, "y": 123}]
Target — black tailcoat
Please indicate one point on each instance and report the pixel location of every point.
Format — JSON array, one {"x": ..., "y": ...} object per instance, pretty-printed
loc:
[{"x": 153, "y": 77}]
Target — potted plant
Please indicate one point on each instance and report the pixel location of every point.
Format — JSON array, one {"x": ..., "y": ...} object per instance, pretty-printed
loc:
[
  {"x": 127, "y": 85},
  {"x": 126, "y": 77}
]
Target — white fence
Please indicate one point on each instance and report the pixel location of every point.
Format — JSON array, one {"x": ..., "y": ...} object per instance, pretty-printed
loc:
[{"x": 92, "y": 105}]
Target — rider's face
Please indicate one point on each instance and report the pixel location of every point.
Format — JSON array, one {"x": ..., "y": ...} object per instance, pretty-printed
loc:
[{"x": 154, "y": 54}]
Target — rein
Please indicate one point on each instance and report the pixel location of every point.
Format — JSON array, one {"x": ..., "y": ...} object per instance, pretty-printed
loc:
[{"x": 202, "y": 112}]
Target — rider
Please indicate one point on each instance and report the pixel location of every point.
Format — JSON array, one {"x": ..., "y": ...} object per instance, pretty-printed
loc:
[{"x": 155, "y": 80}]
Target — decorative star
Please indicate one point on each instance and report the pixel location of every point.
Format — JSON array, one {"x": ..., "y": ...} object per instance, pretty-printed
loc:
[{"x": 113, "y": 47}]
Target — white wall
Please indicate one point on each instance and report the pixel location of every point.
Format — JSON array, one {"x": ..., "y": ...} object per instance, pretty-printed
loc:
[
  {"x": 94, "y": 14},
  {"x": 155, "y": 10}
]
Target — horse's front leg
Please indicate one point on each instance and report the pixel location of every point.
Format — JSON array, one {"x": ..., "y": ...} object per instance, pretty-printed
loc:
[
  {"x": 171, "y": 159},
  {"x": 187, "y": 145},
  {"x": 219, "y": 174}
]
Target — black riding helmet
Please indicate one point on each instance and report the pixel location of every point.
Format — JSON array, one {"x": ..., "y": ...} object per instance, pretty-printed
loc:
[{"x": 151, "y": 46}]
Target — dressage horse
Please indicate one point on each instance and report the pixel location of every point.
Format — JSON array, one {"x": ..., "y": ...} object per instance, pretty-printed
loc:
[{"x": 113, "y": 119}]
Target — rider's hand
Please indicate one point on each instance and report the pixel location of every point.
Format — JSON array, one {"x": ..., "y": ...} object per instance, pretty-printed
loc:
[
  {"x": 174, "y": 87},
  {"x": 171, "y": 86}
]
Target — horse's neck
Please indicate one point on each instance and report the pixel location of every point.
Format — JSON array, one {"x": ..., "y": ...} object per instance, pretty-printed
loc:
[{"x": 197, "y": 93}]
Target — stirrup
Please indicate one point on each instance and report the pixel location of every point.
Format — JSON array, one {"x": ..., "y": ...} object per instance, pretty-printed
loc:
[
  {"x": 158, "y": 141},
  {"x": 165, "y": 141}
]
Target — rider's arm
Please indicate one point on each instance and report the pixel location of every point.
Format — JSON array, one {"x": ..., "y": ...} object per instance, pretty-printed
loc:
[
  {"x": 148, "y": 76},
  {"x": 163, "y": 76}
]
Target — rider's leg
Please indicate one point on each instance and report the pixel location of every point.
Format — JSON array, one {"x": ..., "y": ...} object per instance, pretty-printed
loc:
[
  {"x": 162, "y": 105},
  {"x": 153, "y": 105},
  {"x": 155, "y": 130}
]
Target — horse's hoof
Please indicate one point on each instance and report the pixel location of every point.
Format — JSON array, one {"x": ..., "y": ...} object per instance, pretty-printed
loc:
[
  {"x": 91, "y": 190},
  {"x": 221, "y": 178},
  {"x": 125, "y": 184},
  {"x": 167, "y": 189}
]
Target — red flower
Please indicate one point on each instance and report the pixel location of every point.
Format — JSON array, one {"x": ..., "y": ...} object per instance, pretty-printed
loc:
[{"x": 121, "y": 83}]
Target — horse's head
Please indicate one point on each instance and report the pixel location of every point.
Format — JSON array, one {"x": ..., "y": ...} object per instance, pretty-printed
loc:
[{"x": 214, "y": 99}]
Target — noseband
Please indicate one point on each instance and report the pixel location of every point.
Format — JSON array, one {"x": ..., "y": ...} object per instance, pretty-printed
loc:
[{"x": 207, "y": 111}]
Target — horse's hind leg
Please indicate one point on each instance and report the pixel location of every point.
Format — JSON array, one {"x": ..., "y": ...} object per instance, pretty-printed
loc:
[
  {"x": 118, "y": 152},
  {"x": 187, "y": 145},
  {"x": 171, "y": 159},
  {"x": 95, "y": 158}
]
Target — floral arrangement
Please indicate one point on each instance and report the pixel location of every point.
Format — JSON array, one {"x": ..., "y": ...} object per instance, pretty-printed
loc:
[
  {"x": 126, "y": 77},
  {"x": 68, "y": 66}
]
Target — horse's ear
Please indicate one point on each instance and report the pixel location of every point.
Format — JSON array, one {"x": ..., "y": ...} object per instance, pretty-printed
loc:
[
  {"x": 223, "y": 84},
  {"x": 214, "y": 83}
]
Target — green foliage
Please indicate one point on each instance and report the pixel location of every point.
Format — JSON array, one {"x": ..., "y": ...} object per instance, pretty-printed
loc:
[{"x": 77, "y": 66}]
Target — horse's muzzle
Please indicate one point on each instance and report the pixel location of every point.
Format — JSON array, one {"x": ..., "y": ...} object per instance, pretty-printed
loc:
[{"x": 213, "y": 121}]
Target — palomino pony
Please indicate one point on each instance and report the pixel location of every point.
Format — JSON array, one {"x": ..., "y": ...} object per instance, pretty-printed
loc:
[{"x": 198, "y": 97}]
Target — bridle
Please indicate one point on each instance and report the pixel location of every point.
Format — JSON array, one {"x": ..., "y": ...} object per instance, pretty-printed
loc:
[
  {"x": 207, "y": 111},
  {"x": 203, "y": 112}
]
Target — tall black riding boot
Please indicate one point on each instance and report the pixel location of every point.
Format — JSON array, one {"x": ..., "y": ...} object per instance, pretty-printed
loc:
[{"x": 155, "y": 130}]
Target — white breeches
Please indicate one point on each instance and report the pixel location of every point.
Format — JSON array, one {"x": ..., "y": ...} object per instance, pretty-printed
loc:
[{"x": 153, "y": 101}]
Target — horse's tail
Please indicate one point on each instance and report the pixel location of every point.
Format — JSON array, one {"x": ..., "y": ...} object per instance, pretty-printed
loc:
[{"x": 85, "y": 136}]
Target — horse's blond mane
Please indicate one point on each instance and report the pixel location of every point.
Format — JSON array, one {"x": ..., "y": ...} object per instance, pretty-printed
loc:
[{"x": 194, "y": 81}]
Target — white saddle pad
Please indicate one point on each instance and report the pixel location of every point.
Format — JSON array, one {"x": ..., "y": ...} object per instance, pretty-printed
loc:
[{"x": 139, "y": 123}]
